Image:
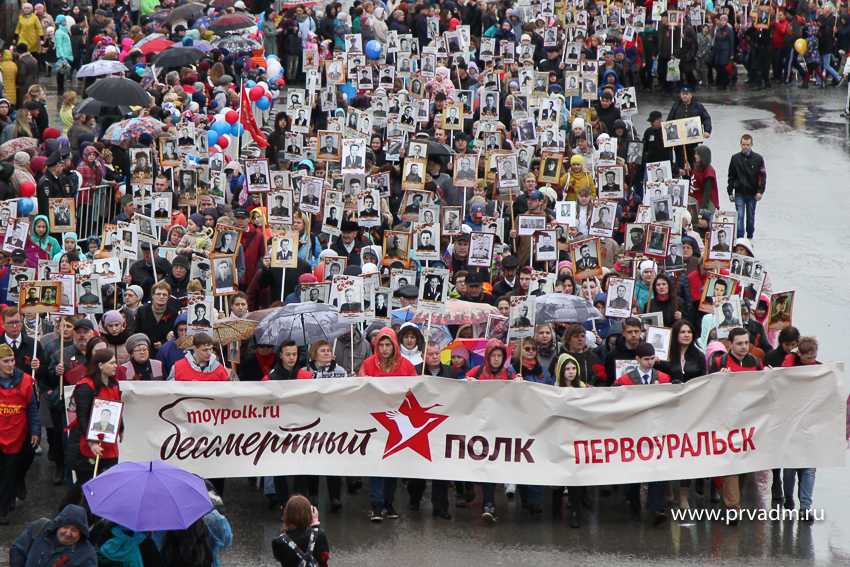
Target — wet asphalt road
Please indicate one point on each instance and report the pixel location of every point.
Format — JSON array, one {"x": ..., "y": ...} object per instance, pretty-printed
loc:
[{"x": 800, "y": 233}]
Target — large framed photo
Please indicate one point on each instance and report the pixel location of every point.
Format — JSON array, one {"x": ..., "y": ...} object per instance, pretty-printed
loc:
[
  {"x": 781, "y": 310},
  {"x": 545, "y": 249},
  {"x": 529, "y": 224},
  {"x": 610, "y": 181},
  {"x": 602, "y": 218},
  {"x": 433, "y": 286},
  {"x": 465, "y": 170},
  {"x": 566, "y": 213},
  {"x": 40, "y": 296},
  {"x": 619, "y": 300},
  {"x": 63, "y": 214},
  {"x": 481, "y": 249},
  {"x": 311, "y": 194},
  {"x": 347, "y": 296},
  {"x": 659, "y": 338},
  {"x": 318, "y": 292},
  {"x": 16, "y": 234},
  {"x": 334, "y": 266},
  {"x": 720, "y": 241},
  {"x": 521, "y": 317},
  {"x": 89, "y": 300},
  {"x": 413, "y": 176},
  {"x": 412, "y": 201},
  {"x": 280, "y": 208},
  {"x": 329, "y": 146},
  {"x": 451, "y": 220},
  {"x": 550, "y": 168},
  {"x": 141, "y": 165},
  {"x": 105, "y": 421},
  {"x": 258, "y": 176},
  {"x": 427, "y": 242},
  {"x": 727, "y": 315},
  {"x": 226, "y": 239},
  {"x": 715, "y": 290},
  {"x": 285, "y": 249},
  {"x": 396, "y": 245},
  {"x": 657, "y": 240},
  {"x": 353, "y": 155},
  {"x": 332, "y": 215},
  {"x": 585, "y": 256},
  {"x": 224, "y": 274}
]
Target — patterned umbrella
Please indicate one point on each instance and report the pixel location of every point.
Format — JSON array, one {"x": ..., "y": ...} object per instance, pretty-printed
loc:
[
  {"x": 231, "y": 329},
  {"x": 456, "y": 312},
  {"x": 235, "y": 43},
  {"x": 563, "y": 308},
  {"x": 304, "y": 323},
  {"x": 132, "y": 128},
  {"x": 100, "y": 68},
  {"x": 233, "y": 22},
  {"x": 10, "y": 148}
]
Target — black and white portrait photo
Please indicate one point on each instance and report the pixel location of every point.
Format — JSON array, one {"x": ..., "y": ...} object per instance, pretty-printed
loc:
[{"x": 257, "y": 174}]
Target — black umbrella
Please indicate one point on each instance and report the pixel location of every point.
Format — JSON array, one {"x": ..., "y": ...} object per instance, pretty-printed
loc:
[
  {"x": 119, "y": 91},
  {"x": 92, "y": 107},
  {"x": 232, "y": 22},
  {"x": 188, "y": 12},
  {"x": 177, "y": 57},
  {"x": 436, "y": 149}
]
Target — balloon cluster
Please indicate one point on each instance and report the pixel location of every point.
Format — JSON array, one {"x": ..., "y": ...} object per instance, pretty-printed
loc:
[
  {"x": 27, "y": 202},
  {"x": 225, "y": 125},
  {"x": 274, "y": 72},
  {"x": 260, "y": 94}
]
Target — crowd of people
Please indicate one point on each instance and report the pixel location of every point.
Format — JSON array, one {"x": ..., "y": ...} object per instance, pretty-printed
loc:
[{"x": 481, "y": 155}]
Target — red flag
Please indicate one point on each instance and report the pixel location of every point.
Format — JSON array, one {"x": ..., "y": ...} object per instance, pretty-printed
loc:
[{"x": 247, "y": 119}]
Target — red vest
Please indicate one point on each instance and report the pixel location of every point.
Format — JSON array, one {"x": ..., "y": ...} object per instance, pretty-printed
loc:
[
  {"x": 111, "y": 393},
  {"x": 13, "y": 415},
  {"x": 633, "y": 378},
  {"x": 184, "y": 372}
]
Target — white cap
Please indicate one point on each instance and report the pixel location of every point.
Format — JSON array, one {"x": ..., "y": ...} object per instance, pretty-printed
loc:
[{"x": 240, "y": 5}]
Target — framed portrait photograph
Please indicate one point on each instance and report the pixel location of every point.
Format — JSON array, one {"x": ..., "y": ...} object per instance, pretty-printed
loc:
[
  {"x": 379, "y": 181},
  {"x": 199, "y": 314},
  {"x": 168, "y": 154},
  {"x": 720, "y": 238},
  {"x": 550, "y": 168},
  {"x": 545, "y": 246},
  {"x": 108, "y": 270},
  {"x": 105, "y": 421},
  {"x": 284, "y": 249},
  {"x": 506, "y": 172},
  {"x": 257, "y": 175},
  {"x": 311, "y": 194},
  {"x": 40, "y": 296},
  {"x": 16, "y": 234},
  {"x": 329, "y": 146},
  {"x": 465, "y": 170},
  {"x": 8, "y": 210},
  {"x": 187, "y": 187},
  {"x": 566, "y": 213},
  {"x": 658, "y": 171},
  {"x": 89, "y": 300},
  {"x": 451, "y": 220},
  {"x": 659, "y": 338},
  {"x": 586, "y": 255},
  {"x": 412, "y": 201},
  {"x": 453, "y": 116},
  {"x": 433, "y": 288},
  {"x": 353, "y": 155},
  {"x": 334, "y": 266},
  {"x": 368, "y": 208},
  {"x": 62, "y": 214},
  {"x": 417, "y": 150},
  {"x": 727, "y": 315},
  {"x": 657, "y": 240},
  {"x": 226, "y": 239},
  {"x": 602, "y": 218},
  {"x": 333, "y": 212},
  {"x": 347, "y": 296},
  {"x": 610, "y": 182},
  {"x": 606, "y": 154},
  {"x": 318, "y": 292},
  {"x": 692, "y": 130},
  {"x": 161, "y": 208},
  {"x": 426, "y": 242},
  {"x": 781, "y": 310},
  {"x": 715, "y": 290},
  {"x": 481, "y": 249},
  {"x": 618, "y": 302},
  {"x": 497, "y": 327},
  {"x": 413, "y": 174},
  {"x": 224, "y": 274},
  {"x": 529, "y": 224},
  {"x": 521, "y": 317},
  {"x": 635, "y": 239},
  {"x": 280, "y": 208},
  {"x": 634, "y": 153},
  {"x": 141, "y": 164},
  {"x": 396, "y": 245}
]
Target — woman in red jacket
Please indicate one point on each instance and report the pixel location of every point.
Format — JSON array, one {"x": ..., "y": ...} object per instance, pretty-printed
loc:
[
  {"x": 387, "y": 361},
  {"x": 100, "y": 383}
]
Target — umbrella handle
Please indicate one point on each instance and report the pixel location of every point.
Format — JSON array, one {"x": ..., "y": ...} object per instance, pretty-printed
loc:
[{"x": 96, "y": 465}]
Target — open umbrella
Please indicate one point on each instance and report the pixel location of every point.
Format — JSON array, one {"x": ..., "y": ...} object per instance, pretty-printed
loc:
[
  {"x": 92, "y": 107},
  {"x": 100, "y": 68},
  {"x": 233, "y": 22},
  {"x": 132, "y": 128},
  {"x": 455, "y": 312},
  {"x": 155, "y": 45},
  {"x": 232, "y": 329},
  {"x": 563, "y": 308},
  {"x": 188, "y": 12},
  {"x": 148, "y": 496},
  {"x": 119, "y": 91},
  {"x": 235, "y": 43},
  {"x": 304, "y": 323},
  {"x": 177, "y": 57},
  {"x": 436, "y": 149},
  {"x": 219, "y": 4},
  {"x": 10, "y": 148}
]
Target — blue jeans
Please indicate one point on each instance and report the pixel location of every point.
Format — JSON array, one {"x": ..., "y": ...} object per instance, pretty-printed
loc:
[
  {"x": 381, "y": 492},
  {"x": 488, "y": 493},
  {"x": 826, "y": 64},
  {"x": 746, "y": 206},
  {"x": 807, "y": 486}
]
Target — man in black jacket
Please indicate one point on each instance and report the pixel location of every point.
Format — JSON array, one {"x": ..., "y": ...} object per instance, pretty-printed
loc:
[
  {"x": 686, "y": 107},
  {"x": 746, "y": 183}
]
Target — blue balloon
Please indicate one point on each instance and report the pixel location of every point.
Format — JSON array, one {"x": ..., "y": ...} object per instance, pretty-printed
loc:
[
  {"x": 237, "y": 129},
  {"x": 221, "y": 127},
  {"x": 249, "y": 83},
  {"x": 348, "y": 90},
  {"x": 212, "y": 138},
  {"x": 24, "y": 207},
  {"x": 139, "y": 69},
  {"x": 264, "y": 103},
  {"x": 374, "y": 49}
]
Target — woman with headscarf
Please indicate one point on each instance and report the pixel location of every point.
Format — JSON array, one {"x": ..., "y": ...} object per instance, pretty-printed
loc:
[{"x": 441, "y": 83}]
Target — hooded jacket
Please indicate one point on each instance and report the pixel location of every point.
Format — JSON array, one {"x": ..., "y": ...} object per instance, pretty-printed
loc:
[
  {"x": 372, "y": 365},
  {"x": 705, "y": 180},
  {"x": 413, "y": 355},
  {"x": 483, "y": 370},
  {"x": 560, "y": 363},
  {"x": 343, "y": 348},
  {"x": 37, "y": 545},
  {"x": 186, "y": 369},
  {"x": 9, "y": 70},
  {"x": 47, "y": 243}
]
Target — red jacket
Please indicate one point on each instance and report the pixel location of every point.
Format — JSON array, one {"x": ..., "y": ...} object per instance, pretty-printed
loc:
[
  {"x": 372, "y": 365},
  {"x": 632, "y": 378},
  {"x": 112, "y": 393},
  {"x": 184, "y": 371},
  {"x": 14, "y": 402},
  {"x": 483, "y": 371}
]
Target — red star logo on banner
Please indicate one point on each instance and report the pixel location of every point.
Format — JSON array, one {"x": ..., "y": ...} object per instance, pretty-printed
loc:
[{"x": 409, "y": 426}]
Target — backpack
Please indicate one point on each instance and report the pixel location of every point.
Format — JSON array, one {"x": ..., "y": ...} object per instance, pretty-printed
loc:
[{"x": 306, "y": 558}]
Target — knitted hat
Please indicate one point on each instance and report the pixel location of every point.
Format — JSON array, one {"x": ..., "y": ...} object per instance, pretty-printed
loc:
[
  {"x": 135, "y": 340},
  {"x": 137, "y": 290},
  {"x": 111, "y": 317}
]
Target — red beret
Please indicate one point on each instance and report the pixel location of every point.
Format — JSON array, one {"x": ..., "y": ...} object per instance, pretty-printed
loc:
[{"x": 51, "y": 133}]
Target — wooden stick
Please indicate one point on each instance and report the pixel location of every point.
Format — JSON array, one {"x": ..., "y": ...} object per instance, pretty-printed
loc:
[
  {"x": 61, "y": 359},
  {"x": 96, "y": 465}
]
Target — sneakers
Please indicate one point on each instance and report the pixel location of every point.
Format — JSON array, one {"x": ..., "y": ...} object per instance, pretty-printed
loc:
[
  {"x": 390, "y": 513},
  {"x": 375, "y": 516},
  {"x": 510, "y": 491},
  {"x": 489, "y": 514}
]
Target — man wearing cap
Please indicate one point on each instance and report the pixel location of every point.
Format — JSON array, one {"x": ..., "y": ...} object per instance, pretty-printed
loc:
[
  {"x": 142, "y": 271},
  {"x": 687, "y": 107},
  {"x": 347, "y": 244},
  {"x": 508, "y": 281},
  {"x": 645, "y": 374},
  {"x": 474, "y": 289},
  {"x": 50, "y": 184}
]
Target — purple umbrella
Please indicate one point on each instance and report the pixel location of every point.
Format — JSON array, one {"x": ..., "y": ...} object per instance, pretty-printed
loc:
[{"x": 148, "y": 496}]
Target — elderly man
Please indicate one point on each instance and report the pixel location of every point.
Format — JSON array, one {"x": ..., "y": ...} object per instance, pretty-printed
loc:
[{"x": 61, "y": 541}]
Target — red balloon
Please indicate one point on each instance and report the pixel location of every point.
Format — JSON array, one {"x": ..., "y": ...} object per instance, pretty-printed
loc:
[
  {"x": 231, "y": 116},
  {"x": 27, "y": 189},
  {"x": 256, "y": 93},
  {"x": 223, "y": 142}
]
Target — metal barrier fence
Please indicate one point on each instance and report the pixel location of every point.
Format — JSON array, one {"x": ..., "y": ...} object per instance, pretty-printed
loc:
[{"x": 96, "y": 206}]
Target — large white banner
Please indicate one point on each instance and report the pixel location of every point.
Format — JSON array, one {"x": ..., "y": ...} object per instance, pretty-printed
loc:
[{"x": 492, "y": 431}]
